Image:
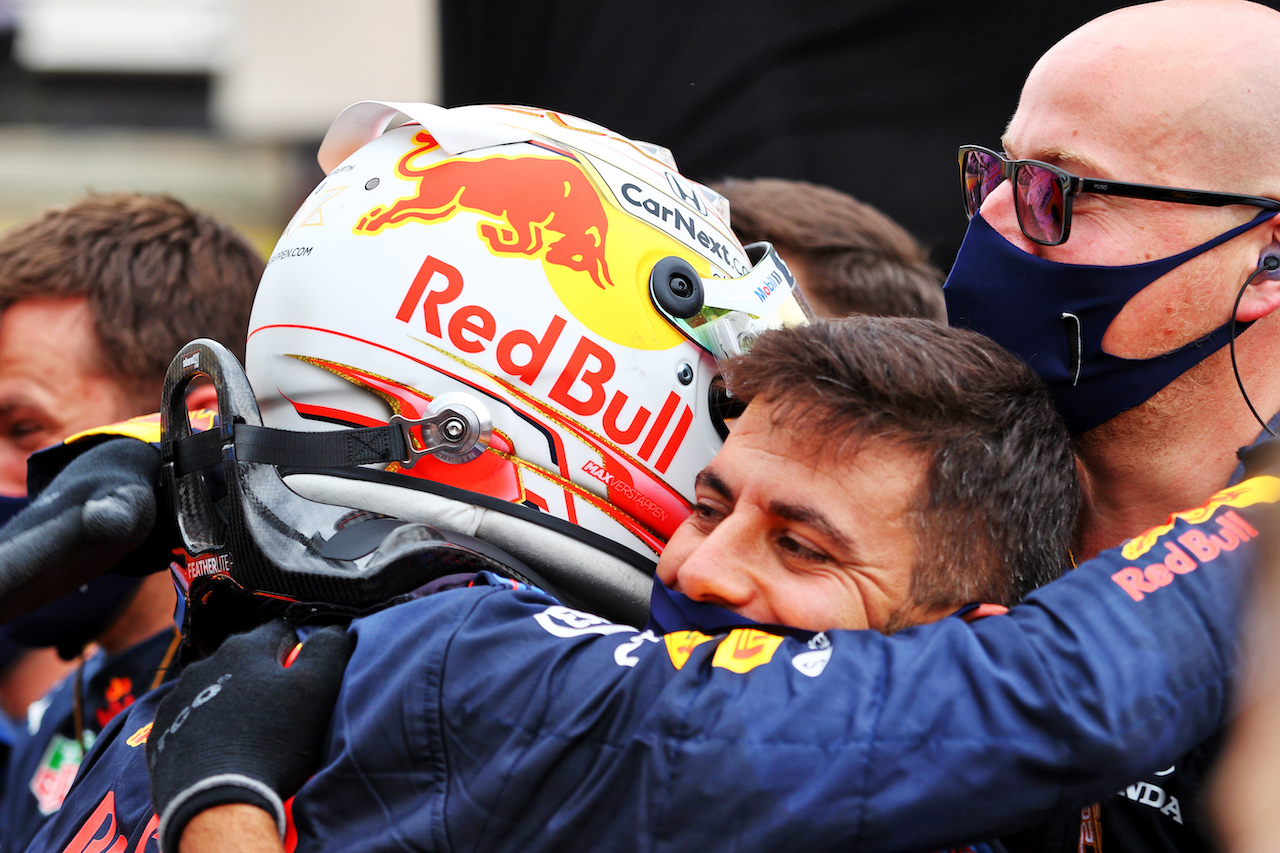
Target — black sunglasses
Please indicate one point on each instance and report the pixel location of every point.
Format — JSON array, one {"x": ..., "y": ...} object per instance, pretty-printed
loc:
[{"x": 1042, "y": 193}]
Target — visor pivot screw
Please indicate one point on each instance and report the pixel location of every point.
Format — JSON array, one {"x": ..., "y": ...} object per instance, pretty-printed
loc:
[
  {"x": 676, "y": 288},
  {"x": 685, "y": 374}
]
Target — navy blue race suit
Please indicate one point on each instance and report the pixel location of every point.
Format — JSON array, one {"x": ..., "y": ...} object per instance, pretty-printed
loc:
[
  {"x": 1160, "y": 812},
  {"x": 497, "y": 718}
]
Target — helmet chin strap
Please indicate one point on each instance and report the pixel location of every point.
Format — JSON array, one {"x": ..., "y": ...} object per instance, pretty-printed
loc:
[
  {"x": 455, "y": 428},
  {"x": 1235, "y": 368},
  {"x": 249, "y": 539},
  {"x": 248, "y": 530}
]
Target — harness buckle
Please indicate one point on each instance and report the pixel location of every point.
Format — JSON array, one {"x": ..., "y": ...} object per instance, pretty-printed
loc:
[{"x": 455, "y": 428}]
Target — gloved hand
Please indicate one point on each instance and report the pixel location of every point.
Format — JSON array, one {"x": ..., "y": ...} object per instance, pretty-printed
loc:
[
  {"x": 241, "y": 727},
  {"x": 98, "y": 509}
]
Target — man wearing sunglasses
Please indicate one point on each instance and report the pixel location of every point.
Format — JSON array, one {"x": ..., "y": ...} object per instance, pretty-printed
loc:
[{"x": 1126, "y": 244}]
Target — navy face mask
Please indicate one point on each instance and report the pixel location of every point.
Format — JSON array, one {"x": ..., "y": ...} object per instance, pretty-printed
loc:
[
  {"x": 1055, "y": 315},
  {"x": 671, "y": 611},
  {"x": 73, "y": 621}
]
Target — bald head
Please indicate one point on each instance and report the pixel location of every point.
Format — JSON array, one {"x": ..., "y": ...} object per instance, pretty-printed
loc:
[
  {"x": 1188, "y": 92},
  {"x": 1179, "y": 94}
]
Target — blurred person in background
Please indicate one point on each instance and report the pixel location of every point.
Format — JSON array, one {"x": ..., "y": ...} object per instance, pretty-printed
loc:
[
  {"x": 847, "y": 256},
  {"x": 95, "y": 298},
  {"x": 1245, "y": 792}
]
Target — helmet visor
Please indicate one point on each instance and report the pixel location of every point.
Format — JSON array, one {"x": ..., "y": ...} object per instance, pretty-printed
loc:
[{"x": 735, "y": 311}]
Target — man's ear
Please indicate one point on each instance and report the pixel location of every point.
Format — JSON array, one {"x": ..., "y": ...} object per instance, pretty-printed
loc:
[{"x": 1262, "y": 296}]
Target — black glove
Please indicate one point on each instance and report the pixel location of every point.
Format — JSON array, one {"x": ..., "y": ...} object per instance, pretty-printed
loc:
[
  {"x": 98, "y": 509},
  {"x": 240, "y": 727}
]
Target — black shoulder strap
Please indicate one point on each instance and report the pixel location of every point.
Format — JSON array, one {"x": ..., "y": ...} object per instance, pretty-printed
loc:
[{"x": 343, "y": 448}]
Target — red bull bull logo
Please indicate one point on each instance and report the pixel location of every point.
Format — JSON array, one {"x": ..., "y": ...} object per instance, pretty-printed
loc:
[{"x": 539, "y": 207}]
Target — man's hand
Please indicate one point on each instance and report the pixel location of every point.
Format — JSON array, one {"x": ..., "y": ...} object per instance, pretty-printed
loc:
[
  {"x": 242, "y": 727},
  {"x": 98, "y": 509}
]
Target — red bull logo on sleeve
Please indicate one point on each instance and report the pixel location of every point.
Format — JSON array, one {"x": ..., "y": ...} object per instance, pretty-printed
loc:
[
  {"x": 1250, "y": 492},
  {"x": 1218, "y": 529},
  {"x": 538, "y": 207}
]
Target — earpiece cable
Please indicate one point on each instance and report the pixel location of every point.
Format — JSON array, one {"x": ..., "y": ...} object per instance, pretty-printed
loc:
[{"x": 1235, "y": 368}]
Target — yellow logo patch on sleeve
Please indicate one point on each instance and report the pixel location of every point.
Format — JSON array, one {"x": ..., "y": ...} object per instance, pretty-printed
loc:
[
  {"x": 745, "y": 649},
  {"x": 680, "y": 644}
]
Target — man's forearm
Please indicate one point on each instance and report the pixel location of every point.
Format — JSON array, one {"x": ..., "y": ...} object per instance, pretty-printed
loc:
[{"x": 233, "y": 828}]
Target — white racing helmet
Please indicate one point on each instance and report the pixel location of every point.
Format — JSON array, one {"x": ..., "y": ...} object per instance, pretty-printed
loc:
[{"x": 537, "y": 305}]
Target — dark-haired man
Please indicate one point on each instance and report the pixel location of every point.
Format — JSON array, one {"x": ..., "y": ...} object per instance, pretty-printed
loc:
[
  {"x": 907, "y": 445},
  {"x": 95, "y": 298},
  {"x": 1122, "y": 297},
  {"x": 871, "y": 453}
]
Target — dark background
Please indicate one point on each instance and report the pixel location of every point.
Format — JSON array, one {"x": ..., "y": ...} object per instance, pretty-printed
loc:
[{"x": 869, "y": 96}]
